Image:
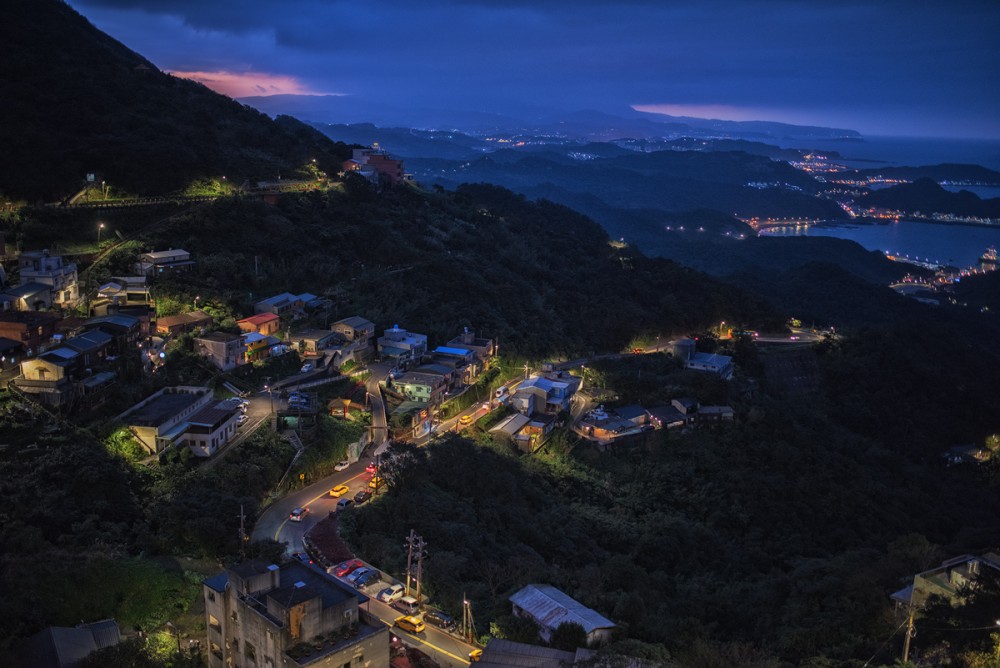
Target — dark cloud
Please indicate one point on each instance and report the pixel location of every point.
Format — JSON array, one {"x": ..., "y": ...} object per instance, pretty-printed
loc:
[{"x": 850, "y": 60}]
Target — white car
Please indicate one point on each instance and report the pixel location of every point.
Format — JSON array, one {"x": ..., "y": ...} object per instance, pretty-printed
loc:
[
  {"x": 298, "y": 514},
  {"x": 391, "y": 594},
  {"x": 306, "y": 368},
  {"x": 341, "y": 466},
  {"x": 242, "y": 420}
]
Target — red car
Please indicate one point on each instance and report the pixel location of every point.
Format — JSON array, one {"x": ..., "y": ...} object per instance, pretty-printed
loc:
[
  {"x": 348, "y": 567},
  {"x": 371, "y": 467}
]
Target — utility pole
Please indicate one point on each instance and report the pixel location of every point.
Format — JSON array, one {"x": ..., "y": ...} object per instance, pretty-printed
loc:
[
  {"x": 421, "y": 553},
  {"x": 415, "y": 547},
  {"x": 243, "y": 538},
  {"x": 910, "y": 632},
  {"x": 468, "y": 625}
]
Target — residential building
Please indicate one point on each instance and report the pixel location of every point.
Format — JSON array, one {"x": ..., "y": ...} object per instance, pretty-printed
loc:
[
  {"x": 10, "y": 352},
  {"x": 31, "y": 296},
  {"x": 606, "y": 426},
  {"x": 483, "y": 348},
  {"x": 355, "y": 329},
  {"x": 314, "y": 341},
  {"x": 66, "y": 646},
  {"x": 527, "y": 433},
  {"x": 550, "y": 608},
  {"x": 161, "y": 420},
  {"x": 33, "y": 330},
  {"x": 50, "y": 378},
  {"x": 465, "y": 365},
  {"x": 720, "y": 365},
  {"x": 389, "y": 170},
  {"x": 262, "y": 323},
  {"x": 92, "y": 347},
  {"x": 50, "y": 270},
  {"x": 125, "y": 331},
  {"x": 174, "y": 325},
  {"x": 290, "y": 616},
  {"x": 222, "y": 349},
  {"x": 285, "y": 305},
  {"x": 161, "y": 262},
  {"x": 421, "y": 386},
  {"x": 402, "y": 347},
  {"x": 210, "y": 428},
  {"x": 126, "y": 291},
  {"x": 411, "y": 419},
  {"x": 949, "y": 580},
  {"x": 694, "y": 413},
  {"x": 666, "y": 417},
  {"x": 257, "y": 346},
  {"x": 549, "y": 393}
]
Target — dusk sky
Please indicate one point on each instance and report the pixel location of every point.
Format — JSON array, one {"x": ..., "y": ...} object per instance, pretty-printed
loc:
[{"x": 896, "y": 67}]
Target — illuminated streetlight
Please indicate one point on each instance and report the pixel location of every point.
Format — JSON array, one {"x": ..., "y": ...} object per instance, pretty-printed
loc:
[{"x": 100, "y": 228}]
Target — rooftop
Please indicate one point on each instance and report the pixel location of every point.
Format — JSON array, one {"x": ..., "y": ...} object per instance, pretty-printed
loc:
[
  {"x": 551, "y": 607},
  {"x": 355, "y": 321},
  {"x": 162, "y": 408}
]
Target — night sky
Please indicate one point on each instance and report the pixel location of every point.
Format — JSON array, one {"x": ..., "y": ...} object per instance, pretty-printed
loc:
[{"x": 895, "y": 67}]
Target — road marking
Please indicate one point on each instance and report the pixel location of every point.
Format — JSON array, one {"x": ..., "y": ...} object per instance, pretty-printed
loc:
[
  {"x": 429, "y": 644},
  {"x": 322, "y": 494}
]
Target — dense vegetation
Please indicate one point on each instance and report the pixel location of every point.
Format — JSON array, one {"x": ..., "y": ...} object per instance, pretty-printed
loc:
[
  {"x": 78, "y": 102},
  {"x": 772, "y": 542},
  {"x": 541, "y": 278}
]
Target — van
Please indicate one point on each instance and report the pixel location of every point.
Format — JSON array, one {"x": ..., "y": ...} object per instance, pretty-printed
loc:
[{"x": 407, "y": 605}]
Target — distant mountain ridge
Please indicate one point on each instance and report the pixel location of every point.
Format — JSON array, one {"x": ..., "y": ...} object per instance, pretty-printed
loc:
[
  {"x": 77, "y": 101},
  {"x": 579, "y": 125},
  {"x": 926, "y": 196}
]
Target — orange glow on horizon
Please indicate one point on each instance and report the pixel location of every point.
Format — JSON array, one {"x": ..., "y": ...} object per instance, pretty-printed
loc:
[{"x": 246, "y": 84}]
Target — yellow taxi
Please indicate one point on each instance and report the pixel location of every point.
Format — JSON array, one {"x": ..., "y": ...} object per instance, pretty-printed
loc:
[
  {"x": 339, "y": 491},
  {"x": 466, "y": 419},
  {"x": 408, "y": 623},
  {"x": 476, "y": 655},
  {"x": 376, "y": 482}
]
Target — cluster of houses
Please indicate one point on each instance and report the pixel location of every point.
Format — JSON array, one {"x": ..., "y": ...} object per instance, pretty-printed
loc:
[
  {"x": 607, "y": 426},
  {"x": 422, "y": 378},
  {"x": 537, "y": 403}
]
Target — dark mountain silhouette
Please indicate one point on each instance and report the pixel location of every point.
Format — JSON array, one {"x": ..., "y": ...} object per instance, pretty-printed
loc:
[
  {"x": 926, "y": 196},
  {"x": 76, "y": 101}
]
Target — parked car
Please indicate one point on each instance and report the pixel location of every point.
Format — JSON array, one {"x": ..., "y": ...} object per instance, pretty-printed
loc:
[
  {"x": 341, "y": 466},
  {"x": 346, "y": 568},
  {"x": 367, "y": 579},
  {"x": 343, "y": 504},
  {"x": 339, "y": 491},
  {"x": 362, "y": 496},
  {"x": 306, "y": 368},
  {"x": 242, "y": 420},
  {"x": 408, "y": 623},
  {"x": 298, "y": 514},
  {"x": 376, "y": 482},
  {"x": 407, "y": 605},
  {"x": 390, "y": 594},
  {"x": 301, "y": 556},
  {"x": 439, "y": 619},
  {"x": 353, "y": 577}
]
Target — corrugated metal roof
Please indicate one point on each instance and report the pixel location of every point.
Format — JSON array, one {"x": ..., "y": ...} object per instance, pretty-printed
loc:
[{"x": 551, "y": 608}]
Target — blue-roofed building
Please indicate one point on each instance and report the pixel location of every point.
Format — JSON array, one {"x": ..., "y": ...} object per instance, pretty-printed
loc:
[
  {"x": 262, "y": 614},
  {"x": 402, "y": 347}
]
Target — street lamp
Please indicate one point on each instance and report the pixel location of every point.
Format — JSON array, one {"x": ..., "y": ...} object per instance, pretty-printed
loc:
[
  {"x": 100, "y": 228},
  {"x": 196, "y": 298},
  {"x": 176, "y": 634},
  {"x": 270, "y": 397}
]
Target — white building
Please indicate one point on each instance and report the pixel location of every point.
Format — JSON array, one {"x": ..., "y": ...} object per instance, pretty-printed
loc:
[
  {"x": 551, "y": 608},
  {"x": 50, "y": 270}
]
